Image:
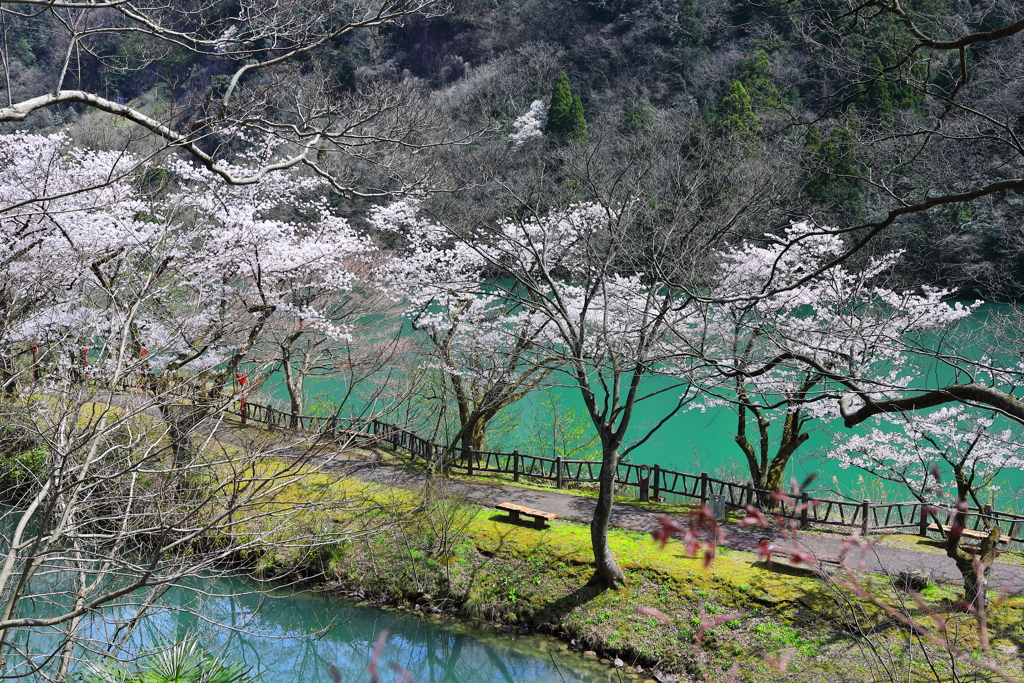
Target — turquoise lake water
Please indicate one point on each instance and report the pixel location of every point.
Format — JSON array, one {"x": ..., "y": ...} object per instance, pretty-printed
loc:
[{"x": 696, "y": 441}]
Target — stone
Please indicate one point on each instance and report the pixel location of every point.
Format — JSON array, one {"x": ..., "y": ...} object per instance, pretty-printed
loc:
[
  {"x": 1007, "y": 649},
  {"x": 915, "y": 580},
  {"x": 590, "y": 653},
  {"x": 618, "y": 663},
  {"x": 639, "y": 669}
]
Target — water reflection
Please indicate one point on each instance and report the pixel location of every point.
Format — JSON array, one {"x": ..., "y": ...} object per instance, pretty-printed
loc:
[{"x": 298, "y": 636}]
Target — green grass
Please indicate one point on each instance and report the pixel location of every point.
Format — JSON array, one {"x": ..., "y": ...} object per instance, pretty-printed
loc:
[{"x": 502, "y": 573}]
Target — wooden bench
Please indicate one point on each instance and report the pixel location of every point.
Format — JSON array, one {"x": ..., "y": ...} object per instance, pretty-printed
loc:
[
  {"x": 967, "y": 533},
  {"x": 514, "y": 511}
]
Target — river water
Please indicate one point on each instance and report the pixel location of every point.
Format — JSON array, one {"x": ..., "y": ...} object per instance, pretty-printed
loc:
[
  {"x": 293, "y": 636},
  {"x": 297, "y": 636}
]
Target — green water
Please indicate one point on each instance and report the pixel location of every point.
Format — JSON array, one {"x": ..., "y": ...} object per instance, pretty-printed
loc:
[
  {"x": 696, "y": 440},
  {"x": 296, "y": 636}
]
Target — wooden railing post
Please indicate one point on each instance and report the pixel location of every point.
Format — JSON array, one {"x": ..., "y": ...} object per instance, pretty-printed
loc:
[{"x": 418, "y": 447}]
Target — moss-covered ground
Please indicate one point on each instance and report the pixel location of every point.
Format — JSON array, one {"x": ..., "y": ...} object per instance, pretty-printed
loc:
[{"x": 435, "y": 553}]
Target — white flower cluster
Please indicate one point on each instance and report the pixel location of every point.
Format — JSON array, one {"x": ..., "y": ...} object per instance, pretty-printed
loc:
[
  {"x": 530, "y": 125},
  {"x": 904, "y": 448},
  {"x": 186, "y": 275}
]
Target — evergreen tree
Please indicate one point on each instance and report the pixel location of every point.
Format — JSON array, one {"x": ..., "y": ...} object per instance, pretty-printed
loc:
[
  {"x": 756, "y": 77},
  {"x": 565, "y": 114},
  {"x": 738, "y": 118},
  {"x": 832, "y": 171}
]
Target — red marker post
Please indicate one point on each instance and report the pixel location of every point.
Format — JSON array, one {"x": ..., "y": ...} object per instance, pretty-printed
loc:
[
  {"x": 85, "y": 362},
  {"x": 35, "y": 368},
  {"x": 240, "y": 378}
]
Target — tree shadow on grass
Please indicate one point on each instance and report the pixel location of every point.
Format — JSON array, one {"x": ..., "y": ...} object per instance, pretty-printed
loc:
[{"x": 557, "y": 610}]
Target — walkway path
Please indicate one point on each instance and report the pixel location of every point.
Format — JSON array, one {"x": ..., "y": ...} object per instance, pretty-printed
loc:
[{"x": 826, "y": 548}]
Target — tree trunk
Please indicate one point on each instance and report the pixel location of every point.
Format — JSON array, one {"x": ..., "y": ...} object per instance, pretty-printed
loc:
[
  {"x": 8, "y": 376},
  {"x": 473, "y": 436},
  {"x": 604, "y": 560},
  {"x": 294, "y": 386},
  {"x": 777, "y": 469},
  {"x": 179, "y": 433},
  {"x": 975, "y": 569}
]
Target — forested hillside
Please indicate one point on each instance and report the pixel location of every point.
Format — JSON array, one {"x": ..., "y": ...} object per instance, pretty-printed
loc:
[
  {"x": 737, "y": 115},
  {"x": 403, "y": 217}
]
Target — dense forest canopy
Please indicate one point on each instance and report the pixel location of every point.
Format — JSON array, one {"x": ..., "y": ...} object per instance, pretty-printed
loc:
[{"x": 849, "y": 112}]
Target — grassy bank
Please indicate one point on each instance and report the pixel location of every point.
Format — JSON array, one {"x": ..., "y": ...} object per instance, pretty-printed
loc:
[{"x": 439, "y": 554}]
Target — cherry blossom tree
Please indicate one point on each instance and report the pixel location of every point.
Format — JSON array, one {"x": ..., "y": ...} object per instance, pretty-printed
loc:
[
  {"x": 561, "y": 305},
  {"x": 910, "y": 448},
  {"x": 345, "y": 348},
  {"x": 481, "y": 342},
  {"x": 781, "y": 352},
  {"x": 193, "y": 275},
  {"x": 140, "y": 303},
  {"x": 611, "y": 327}
]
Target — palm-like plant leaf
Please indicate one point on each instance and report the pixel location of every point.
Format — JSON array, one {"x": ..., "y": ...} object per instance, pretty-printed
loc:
[{"x": 183, "y": 662}]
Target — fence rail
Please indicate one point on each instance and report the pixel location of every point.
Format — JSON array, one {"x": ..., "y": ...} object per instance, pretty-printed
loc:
[{"x": 649, "y": 481}]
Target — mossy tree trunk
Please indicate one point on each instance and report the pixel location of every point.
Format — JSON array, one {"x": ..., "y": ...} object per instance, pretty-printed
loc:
[
  {"x": 611, "y": 419},
  {"x": 181, "y": 421},
  {"x": 974, "y": 567},
  {"x": 604, "y": 560},
  {"x": 767, "y": 470}
]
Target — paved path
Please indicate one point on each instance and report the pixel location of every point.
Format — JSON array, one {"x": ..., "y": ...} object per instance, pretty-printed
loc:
[{"x": 826, "y": 548}]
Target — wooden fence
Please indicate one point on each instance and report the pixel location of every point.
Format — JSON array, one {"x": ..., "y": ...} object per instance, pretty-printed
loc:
[{"x": 647, "y": 482}]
